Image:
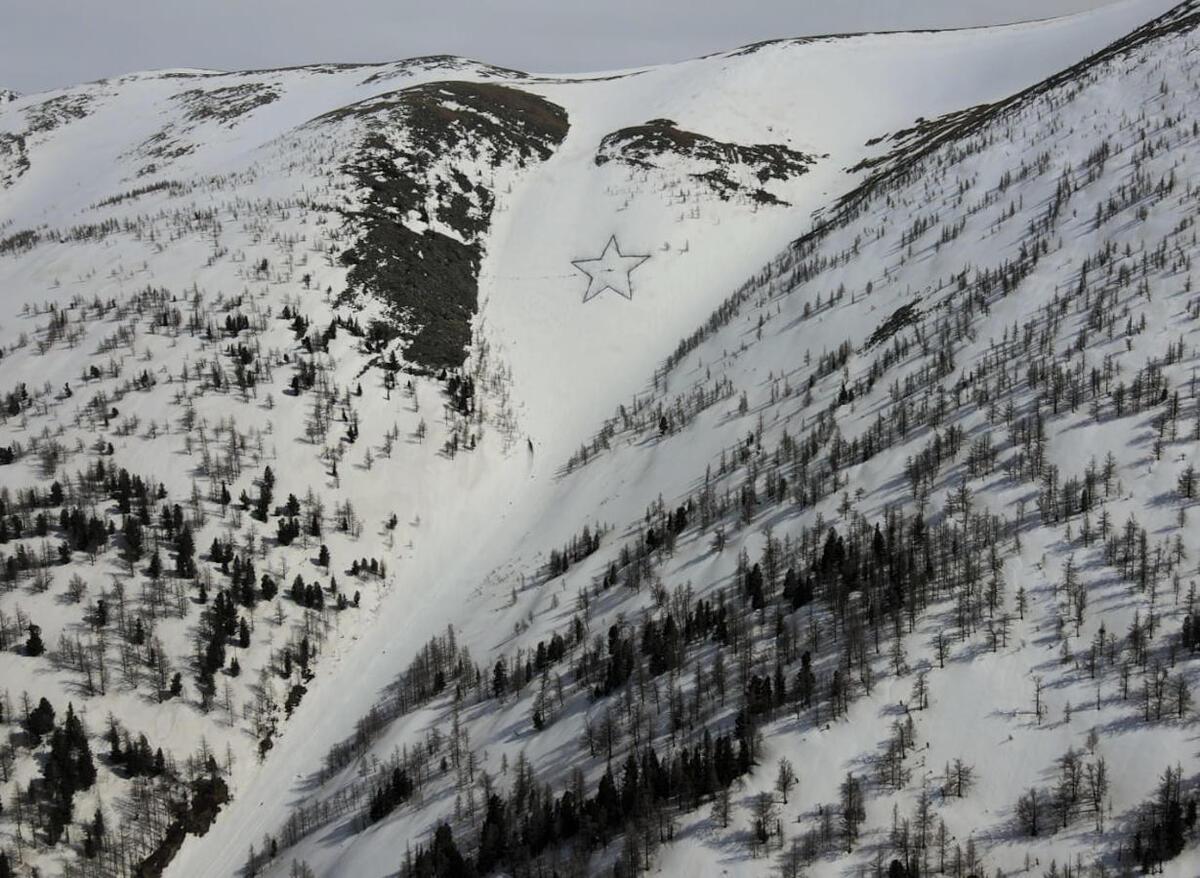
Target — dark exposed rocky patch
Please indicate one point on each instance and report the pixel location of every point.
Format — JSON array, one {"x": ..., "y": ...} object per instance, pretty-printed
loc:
[
  {"x": 916, "y": 137},
  {"x": 594, "y": 77},
  {"x": 45, "y": 117},
  {"x": 163, "y": 147},
  {"x": 729, "y": 168},
  {"x": 449, "y": 63},
  {"x": 225, "y": 105},
  {"x": 14, "y": 160},
  {"x": 325, "y": 68},
  {"x": 418, "y": 235},
  {"x": 228, "y": 103},
  {"x": 754, "y": 48},
  {"x": 7, "y": 95}
]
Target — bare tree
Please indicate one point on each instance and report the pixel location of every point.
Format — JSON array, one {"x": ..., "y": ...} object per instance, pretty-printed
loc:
[
  {"x": 920, "y": 691},
  {"x": 1029, "y": 812},
  {"x": 853, "y": 812},
  {"x": 76, "y": 587},
  {"x": 763, "y": 820},
  {"x": 960, "y": 778},
  {"x": 785, "y": 778},
  {"x": 1097, "y": 787},
  {"x": 722, "y": 806}
]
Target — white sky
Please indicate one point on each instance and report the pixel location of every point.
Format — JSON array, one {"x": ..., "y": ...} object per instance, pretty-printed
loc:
[{"x": 49, "y": 43}]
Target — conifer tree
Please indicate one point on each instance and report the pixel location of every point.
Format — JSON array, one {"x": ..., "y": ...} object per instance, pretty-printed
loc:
[{"x": 34, "y": 645}]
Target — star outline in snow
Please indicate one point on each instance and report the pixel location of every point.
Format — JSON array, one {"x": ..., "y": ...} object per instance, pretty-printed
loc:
[{"x": 610, "y": 272}]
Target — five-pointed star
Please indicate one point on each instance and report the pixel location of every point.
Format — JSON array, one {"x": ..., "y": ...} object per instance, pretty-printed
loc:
[{"x": 610, "y": 271}]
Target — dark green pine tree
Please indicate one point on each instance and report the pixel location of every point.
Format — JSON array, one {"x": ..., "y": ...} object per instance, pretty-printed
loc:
[
  {"x": 444, "y": 859},
  {"x": 98, "y": 825},
  {"x": 262, "y": 506},
  {"x": 80, "y": 751},
  {"x": 206, "y": 687},
  {"x": 41, "y": 721},
  {"x": 155, "y": 569},
  {"x": 493, "y": 836},
  {"x": 134, "y": 538},
  {"x": 185, "y": 552},
  {"x": 34, "y": 646}
]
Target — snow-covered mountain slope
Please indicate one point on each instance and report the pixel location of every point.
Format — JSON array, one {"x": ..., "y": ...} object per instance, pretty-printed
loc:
[{"x": 215, "y": 264}]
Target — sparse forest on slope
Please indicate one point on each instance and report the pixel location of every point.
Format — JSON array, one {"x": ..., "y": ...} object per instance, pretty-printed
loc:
[
  {"x": 902, "y": 514},
  {"x": 307, "y": 567}
]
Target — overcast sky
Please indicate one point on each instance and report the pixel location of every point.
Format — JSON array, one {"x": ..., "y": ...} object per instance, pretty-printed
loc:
[{"x": 50, "y": 43}]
